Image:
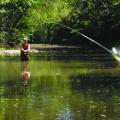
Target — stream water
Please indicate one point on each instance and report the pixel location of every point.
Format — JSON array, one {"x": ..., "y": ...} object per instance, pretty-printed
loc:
[{"x": 64, "y": 84}]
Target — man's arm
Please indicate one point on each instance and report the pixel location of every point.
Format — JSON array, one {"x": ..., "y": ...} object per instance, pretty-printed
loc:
[
  {"x": 21, "y": 48},
  {"x": 29, "y": 47}
]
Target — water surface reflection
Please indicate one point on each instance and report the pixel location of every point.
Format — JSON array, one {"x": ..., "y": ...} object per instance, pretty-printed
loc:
[
  {"x": 25, "y": 74},
  {"x": 65, "y": 89}
]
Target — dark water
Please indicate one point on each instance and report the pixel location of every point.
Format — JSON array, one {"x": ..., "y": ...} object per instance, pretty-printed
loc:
[{"x": 61, "y": 85}]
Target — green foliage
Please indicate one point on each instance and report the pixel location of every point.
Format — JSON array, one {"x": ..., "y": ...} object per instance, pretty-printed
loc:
[
  {"x": 96, "y": 15},
  {"x": 20, "y": 18}
]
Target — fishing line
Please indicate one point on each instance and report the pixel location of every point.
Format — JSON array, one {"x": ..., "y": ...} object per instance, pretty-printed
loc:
[
  {"x": 85, "y": 36},
  {"x": 90, "y": 39}
]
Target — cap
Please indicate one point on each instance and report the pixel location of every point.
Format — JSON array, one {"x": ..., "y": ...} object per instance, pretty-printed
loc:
[{"x": 25, "y": 39}]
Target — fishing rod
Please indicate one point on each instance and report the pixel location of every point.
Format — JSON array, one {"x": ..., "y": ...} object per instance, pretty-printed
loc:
[
  {"x": 90, "y": 39},
  {"x": 113, "y": 51}
]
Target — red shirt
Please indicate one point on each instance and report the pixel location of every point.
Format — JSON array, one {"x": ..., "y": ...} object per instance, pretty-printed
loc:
[{"x": 25, "y": 46}]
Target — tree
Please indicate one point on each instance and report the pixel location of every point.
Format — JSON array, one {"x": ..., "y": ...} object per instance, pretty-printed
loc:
[
  {"x": 38, "y": 18},
  {"x": 21, "y": 18}
]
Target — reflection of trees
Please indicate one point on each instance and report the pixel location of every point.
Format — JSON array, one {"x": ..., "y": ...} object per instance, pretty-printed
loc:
[
  {"x": 94, "y": 81},
  {"x": 42, "y": 99},
  {"x": 56, "y": 92},
  {"x": 99, "y": 96},
  {"x": 13, "y": 96}
]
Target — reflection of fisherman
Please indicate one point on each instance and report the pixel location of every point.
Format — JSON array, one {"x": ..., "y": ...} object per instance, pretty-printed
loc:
[
  {"x": 25, "y": 48},
  {"x": 25, "y": 74}
]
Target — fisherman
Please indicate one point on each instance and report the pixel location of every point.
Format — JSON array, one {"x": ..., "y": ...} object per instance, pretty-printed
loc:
[{"x": 25, "y": 48}]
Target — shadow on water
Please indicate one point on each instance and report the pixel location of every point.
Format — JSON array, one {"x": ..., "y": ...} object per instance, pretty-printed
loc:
[{"x": 95, "y": 81}]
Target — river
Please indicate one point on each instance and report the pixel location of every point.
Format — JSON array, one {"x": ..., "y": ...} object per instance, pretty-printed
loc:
[{"x": 61, "y": 84}]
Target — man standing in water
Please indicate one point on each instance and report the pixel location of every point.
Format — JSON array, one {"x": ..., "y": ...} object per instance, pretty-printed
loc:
[{"x": 25, "y": 48}]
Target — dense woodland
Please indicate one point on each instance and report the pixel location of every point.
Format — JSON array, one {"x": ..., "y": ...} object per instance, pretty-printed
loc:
[{"x": 40, "y": 20}]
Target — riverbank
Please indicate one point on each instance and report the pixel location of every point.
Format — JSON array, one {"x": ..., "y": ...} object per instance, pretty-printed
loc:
[
  {"x": 47, "y": 46},
  {"x": 34, "y": 49}
]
